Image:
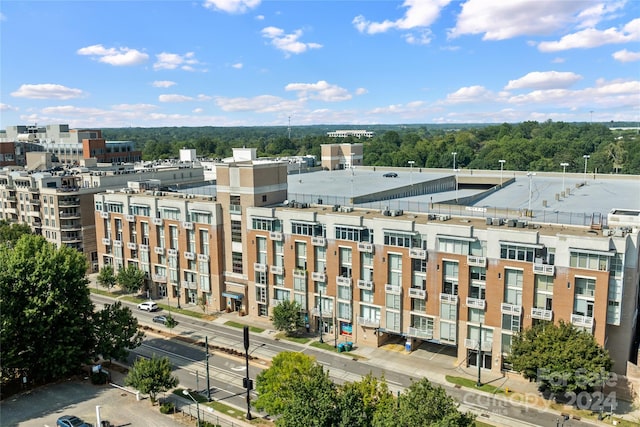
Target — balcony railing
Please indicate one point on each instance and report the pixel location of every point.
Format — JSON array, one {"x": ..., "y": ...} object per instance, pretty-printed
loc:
[
  {"x": 158, "y": 250},
  {"x": 130, "y": 218},
  {"x": 476, "y": 261},
  {"x": 328, "y": 314},
  {"x": 318, "y": 241},
  {"x": 425, "y": 334},
  {"x": 318, "y": 276},
  {"x": 365, "y": 247},
  {"x": 506, "y": 308},
  {"x": 172, "y": 252},
  {"x": 276, "y": 302},
  {"x": 144, "y": 248},
  {"x": 117, "y": 243},
  {"x": 472, "y": 344},
  {"x": 69, "y": 214},
  {"x": 544, "y": 269},
  {"x": 368, "y": 323},
  {"x": 260, "y": 268},
  {"x": 235, "y": 209},
  {"x": 448, "y": 298},
  {"x": 299, "y": 273},
  {"x": 341, "y": 280},
  {"x": 417, "y": 293},
  {"x": 187, "y": 225},
  {"x": 541, "y": 313},
  {"x": 277, "y": 269},
  {"x": 203, "y": 257},
  {"x": 104, "y": 215},
  {"x": 190, "y": 255},
  {"x": 189, "y": 285},
  {"x": 132, "y": 246},
  {"x": 106, "y": 241},
  {"x": 365, "y": 284},
  {"x": 583, "y": 321},
  {"x": 476, "y": 303},
  {"x": 392, "y": 289},
  {"x": 160, "y": 279},
  {"x": 417, "y": 253},
  {"x": 157, "y": 221},
  {"x": 275, "y": 235}
]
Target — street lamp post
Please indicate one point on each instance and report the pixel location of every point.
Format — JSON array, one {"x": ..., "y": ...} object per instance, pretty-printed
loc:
[
  {"x": 206, "y": 345},
  {"x": 586, "y": 158},
  {"x": 456, "y": 171},
  {"x": 411, "y": 163},
  {"x": 455, "y": 153},
  {"x": 247, "y": 381},
  {"x": 530, "y": 175},
  {"x": 502, "y": 161},
  {"x": 186, "y": 393},
  {"x": 321, "y": 321},
  {"x": 564, "y": 171}
]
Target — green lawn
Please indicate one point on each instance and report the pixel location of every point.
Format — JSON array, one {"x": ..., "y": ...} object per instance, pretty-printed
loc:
[
  {"x": 239, "y": 325},
  {"x": 466, "y": 382}
]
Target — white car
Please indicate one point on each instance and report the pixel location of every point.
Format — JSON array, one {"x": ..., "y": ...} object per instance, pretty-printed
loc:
[{"x": 148, "y": 306}]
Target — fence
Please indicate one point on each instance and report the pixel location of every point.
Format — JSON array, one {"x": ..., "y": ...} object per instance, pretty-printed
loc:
[
  {"x": 207, "y": 414},
  {"x": 536, "y": 215}
]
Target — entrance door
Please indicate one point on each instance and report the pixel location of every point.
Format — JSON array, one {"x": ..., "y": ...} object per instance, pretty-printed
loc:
[{"x": 472, "y": 359}]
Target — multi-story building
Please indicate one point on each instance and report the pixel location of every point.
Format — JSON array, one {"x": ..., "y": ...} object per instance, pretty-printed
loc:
[
  {"x": 350, "y": 133},
  {"x": 371, "y": 276},
  {"x": 341, "y": 156},
  {"x": 60, "y": 205}
]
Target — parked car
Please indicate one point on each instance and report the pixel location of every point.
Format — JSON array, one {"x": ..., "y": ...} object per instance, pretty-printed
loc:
[
  {"x": 71, "y": 421},
  {"x": 148, "y": 306},
  {"x": 390, "y": 175}
]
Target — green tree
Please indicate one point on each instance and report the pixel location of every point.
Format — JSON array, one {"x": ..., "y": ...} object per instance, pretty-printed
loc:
[
  {"x": 106, "y": 277},
  {"x": 46, "y": 330},
  {"x": 151, "y": 376},
  {"x": 426, "y": 404},
  {"x": 286, "y": 317},
  {"x": 130, "y": 278},
  {"x": 364, "y": 403},
  {"x": 312, "y": 401},
  {"x": 275, "y": 385},
  {"x": 561, "y": 357},
  {"x": 10, "y": 233},
  {"x": 116, "y": 331},
  {"x": 202, "y": 303}
]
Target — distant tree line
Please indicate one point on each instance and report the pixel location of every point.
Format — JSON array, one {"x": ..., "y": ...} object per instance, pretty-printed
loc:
[{"x": 524, "y": 146}]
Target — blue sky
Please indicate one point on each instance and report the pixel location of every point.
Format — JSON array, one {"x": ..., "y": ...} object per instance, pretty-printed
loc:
[{"x": 261, "y": 62}]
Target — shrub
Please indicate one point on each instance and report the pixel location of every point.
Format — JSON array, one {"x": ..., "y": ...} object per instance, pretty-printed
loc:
[
  {"x": 99, "y": 378},
  {"x": 167, "y": 408}
]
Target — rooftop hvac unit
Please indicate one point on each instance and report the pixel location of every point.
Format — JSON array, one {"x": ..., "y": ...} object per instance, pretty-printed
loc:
[
  {"x": 496, "y": 221},
  {"x": 335, "y": 208},
  {"x": 386, "y": 213},
  {"x": 511, "y": 223},
  {"x": 521, "y": 224},
  {"x": 489, "y": 221}
]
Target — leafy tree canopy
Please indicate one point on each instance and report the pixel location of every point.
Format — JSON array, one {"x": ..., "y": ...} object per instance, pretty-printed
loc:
[
  {"x": 286, "y": 317},
  {"x": 10, "y": 233},
  {"x": 131, "y": 278},
  {"x": 151, "y": 376},
  {"x": 116, "y": 331},
  {"x": 561, "y": 357},
  {"x": 106, "y": 277}
]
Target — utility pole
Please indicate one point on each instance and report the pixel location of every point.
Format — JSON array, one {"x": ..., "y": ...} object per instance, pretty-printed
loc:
[
  {"x": 247, "y": 380},
  {"x": 479, "y": 383},
  {"x": 321, "y": 322},
  {"x": 206, "y": 346}
]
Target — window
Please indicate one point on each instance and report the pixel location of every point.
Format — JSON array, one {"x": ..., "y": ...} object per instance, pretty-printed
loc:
[
  {"x": 278, "y": 250},
  {"x": 354, "y": 234},
  {"x": 281, "y": 294},
  {"x": 160, "y": 236},
  {"x": 261, "y": 249},
  {"x": 200, "y": 217},
  {"x": 370, "y": 313},
  {"x": 133, "y": 233},
  {"x": 589, "y": 261},
  {"x": 300, "y": 299},
  {"x": 204, "y": 241},
  {"x": 476, "y": 315},
  {"x": 366, "y": 295},
  {"x": 344, "y": 292},
  {"x": 236, "y": 231},
  {"x": 307, "y": 229},
  {"x": 191, "y": 241},
  {"x": 345, "y": 261},
  {"x": 234, "y": 204},
  {"x": 543, "y": 288},
  {"x": 236, "y": 262},
  {"x": 585, "y": 287},
  {"x": 517, "y": 252},
  {"x": 395, "y": 270},
  {"x": 266, "y": 224},
  {"x": 320, "y": 259},
  {"x": 506, "y": 343},
  {"x": 142, "y": 210},
  {"x": 450, "y": 279},
  {"x": 300, "y": 284},
  {"x": 511, "y": 322},
  {"x": 366, "y": 266},
  {"x": 392, "y": 321},
  {"x": 173, "y": 236},
  {"x": 478, "y": 273},
  {"x": 448, "y": 312},
  {"x": 261, "y": 294},
  {"x": 513, "y": 286},
  {"x": 344, "y": 310},
  {"x": 301, "y": 255},
  {"x": 392, "y": 301},
  {"x": 477, "y": 290},
  {"x": 114, "y": 207},
  {"x": 170, "y": 213},
  {"x": 401, "y": 239},
  {"x": 419, "y": 305},
  {"x": 448, "y": 332},
  {"x": 145, "y": 232},
  {"x": 422, "y": 323},
  {"x": 453, "y": 246}
]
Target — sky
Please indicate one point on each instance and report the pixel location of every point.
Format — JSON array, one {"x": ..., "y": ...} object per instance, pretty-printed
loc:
[{"x": 120, "y": 63}]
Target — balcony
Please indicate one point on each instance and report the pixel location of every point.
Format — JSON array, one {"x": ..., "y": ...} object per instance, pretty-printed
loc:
[
  {"x": 104, "y": 215},
  {"x": 368, "y": 323},
  {"x": 449, "y": 299},
  {"x": 187, "y": 225},
  {"x": 417, "y": 253},
  {"x": 158, "y": 251},
  {"x": 69, "y": 202},
  {"x": 365, "y": 284},
  {"x": 318, "y": 241},
  {"x": 132, "y": 246},
  {"x": 365, "y": 247},
  {"x": 117, "y": 243},
  {"x": 158, "y": 278},
  {"x": 130, "y": 218},
  {"x": 392, "y": 289},
  {"x": 70, "y": 225},
  {"x": 106, "y": 241},
  {"x": 34, "y": 202},
  {"x": 326, "y": 314},
  {"x": 70, "y": 238},
  {"x": 471, "y": 344},
  {"x": 512, "y": 309},
  {"x": 276, "y": 302},
  {"x": 275, "y": 235},
  {"x": 341, "y": 280},
  {"x": 202, "y": 257},
  {"x": 476, "y": 303},
  {"x": 476, "y": 261},
  {"x": 69, "y": 215},
  {"x": 172, "y": 252},
  {"x": 190, "y": 255},
  {"x": 318, "y": 276},
  {"x": 235, "y": 209},
  {"x": 299, "y": 273},
  {"x": 144, "y": 248},
  {"x": 544, "y": 269},
  {"x": 277, "y": 269},
  {"x": 541, "y": 313},
  {"x": 156, "y": 221},
  {"x": 417, "y": 293},
  {"x": 259, "y": 268},
  {"x": 189, "y": 285},
  {"x": 582, "y": 321},
  {"x": 424, "y": 334}
]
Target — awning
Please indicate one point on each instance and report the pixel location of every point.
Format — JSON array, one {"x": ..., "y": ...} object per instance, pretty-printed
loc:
[{"x": 232, "y": 295}]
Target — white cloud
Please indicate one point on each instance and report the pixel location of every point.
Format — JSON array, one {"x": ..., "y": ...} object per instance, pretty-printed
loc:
[
  {"x": 231, "y": 6},
  {"x": 7, "y": 107},
  {"x": 320, "y": 90},
  {"x": 171, "y": 61},
  {"x": 500, "y": 20},
  {"x": 590, "y": 37},
  {"x": 258, "y": 104},
  {"x": 626, "y": 56},
  {"x": 122, "y": 56},
  {"x": 182, "y": 98},
  {"x": 197, "y": 110},
  {"x": 237, "y": 65},
  {"x": 163, "y": 83},
  {"x": 558, "y": 60},
  {"x": 47, "y": 91},
  {"x": 470, "y": 94},
  {"x": 288, "y": 43},
  {"x": 134, "y": 107},
  {"x": 260, "y": 17},
  {"x": 3, "y": 17},
  {"x": 361, "y": 91},
  {"x": 544, "y": 80}
]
